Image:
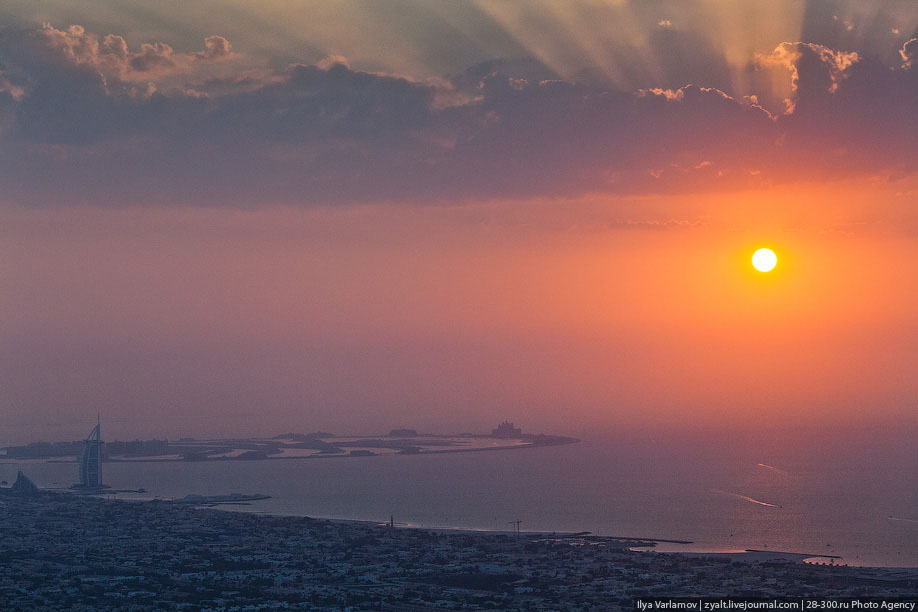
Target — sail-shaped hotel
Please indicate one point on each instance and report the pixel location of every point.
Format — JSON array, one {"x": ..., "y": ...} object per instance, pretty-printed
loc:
[{"x": 91, "y": 459}]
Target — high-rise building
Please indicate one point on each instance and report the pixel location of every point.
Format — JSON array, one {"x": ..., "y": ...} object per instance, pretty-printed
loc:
[{"x": 91, "y": 458}]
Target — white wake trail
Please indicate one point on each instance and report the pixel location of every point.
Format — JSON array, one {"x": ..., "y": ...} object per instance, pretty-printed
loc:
[
  {"x": 773, "y": 469},
  {"x": 751, "y": 500}
]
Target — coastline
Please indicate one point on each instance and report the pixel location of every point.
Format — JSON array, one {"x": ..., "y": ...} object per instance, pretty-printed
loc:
[
  {"x": 551, "y": 491},
  {"x": 585, "y": 538},
  {"x": 632, "y": 543},
  {"x": 638, "y": 544},
  {"x": 160, "y": 556}
]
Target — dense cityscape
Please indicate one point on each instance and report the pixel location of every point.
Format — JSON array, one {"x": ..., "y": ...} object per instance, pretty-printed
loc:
[{"x": 73, "y": 552}]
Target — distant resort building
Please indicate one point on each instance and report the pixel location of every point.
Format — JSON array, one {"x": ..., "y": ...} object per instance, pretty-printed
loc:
[
  {"x": 506, "y": 430},
  {"x": 91, "y": 459},
  {"x": 23, "y": 487}
]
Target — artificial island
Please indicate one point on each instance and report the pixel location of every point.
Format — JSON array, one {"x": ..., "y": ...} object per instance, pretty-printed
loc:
[{"x": 91, "y": 452}]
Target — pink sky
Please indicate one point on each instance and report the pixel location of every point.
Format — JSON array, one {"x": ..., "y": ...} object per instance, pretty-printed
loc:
[{"x": 209, "y": 231}]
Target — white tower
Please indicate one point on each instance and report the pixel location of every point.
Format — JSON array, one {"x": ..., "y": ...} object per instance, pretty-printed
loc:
[{"x": 91, "y": 458}]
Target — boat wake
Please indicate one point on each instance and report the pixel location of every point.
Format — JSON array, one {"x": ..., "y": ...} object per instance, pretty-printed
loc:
[
  {"x": 773, "y": 469},
  {"x": 751, "y": 500},
  {"x": 904, "y": 520}
]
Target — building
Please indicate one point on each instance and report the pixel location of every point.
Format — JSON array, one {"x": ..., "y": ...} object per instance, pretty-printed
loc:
[
  {"x": 23, "y": 487},
  {"x": 91, "y": 459},
  {"x": 506, "y": 430}
]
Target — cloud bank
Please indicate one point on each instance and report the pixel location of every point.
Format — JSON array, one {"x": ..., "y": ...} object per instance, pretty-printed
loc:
[{"x": 86, "y": 119}]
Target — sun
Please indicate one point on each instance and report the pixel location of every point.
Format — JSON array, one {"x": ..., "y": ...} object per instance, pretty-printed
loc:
[{"x": 764, "y": 260}]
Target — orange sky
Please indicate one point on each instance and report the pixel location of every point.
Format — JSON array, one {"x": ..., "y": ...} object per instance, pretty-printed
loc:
[
  {"x": 563, "y": 316},
  {"x": 331, "y": 215}
]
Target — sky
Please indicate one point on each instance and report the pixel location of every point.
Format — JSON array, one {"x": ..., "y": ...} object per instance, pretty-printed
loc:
[{"x": 227, "y": 219}]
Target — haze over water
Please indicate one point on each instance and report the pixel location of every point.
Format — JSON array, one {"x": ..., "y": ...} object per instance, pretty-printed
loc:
[{"x": 825, "y": 493}]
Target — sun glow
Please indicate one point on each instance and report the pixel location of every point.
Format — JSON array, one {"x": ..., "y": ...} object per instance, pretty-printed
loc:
[{"x": 764, "y": 260}]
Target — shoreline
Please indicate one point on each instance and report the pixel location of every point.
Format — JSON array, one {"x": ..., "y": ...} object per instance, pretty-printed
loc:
[
  {"x": 559, "y": 535},
  {"x": 630, "y": 543},
  {"x": 642, "y": 544},
  {"x": 163, "y": 556},
  {"x": 321, "y": 499},
  {"x": 744, "y": 555}
]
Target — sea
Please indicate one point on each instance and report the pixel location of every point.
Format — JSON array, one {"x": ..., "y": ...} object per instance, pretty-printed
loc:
[{"x": 857, "y": 500}]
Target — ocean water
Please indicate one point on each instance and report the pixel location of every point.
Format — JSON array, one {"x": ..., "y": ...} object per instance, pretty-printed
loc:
[{"x": 857, "y": 500}]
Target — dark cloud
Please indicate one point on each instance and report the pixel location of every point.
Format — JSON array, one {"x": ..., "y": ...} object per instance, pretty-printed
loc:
[
  {"x": 858, "y": 114},
  {"x": 78, "y": 124}
]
